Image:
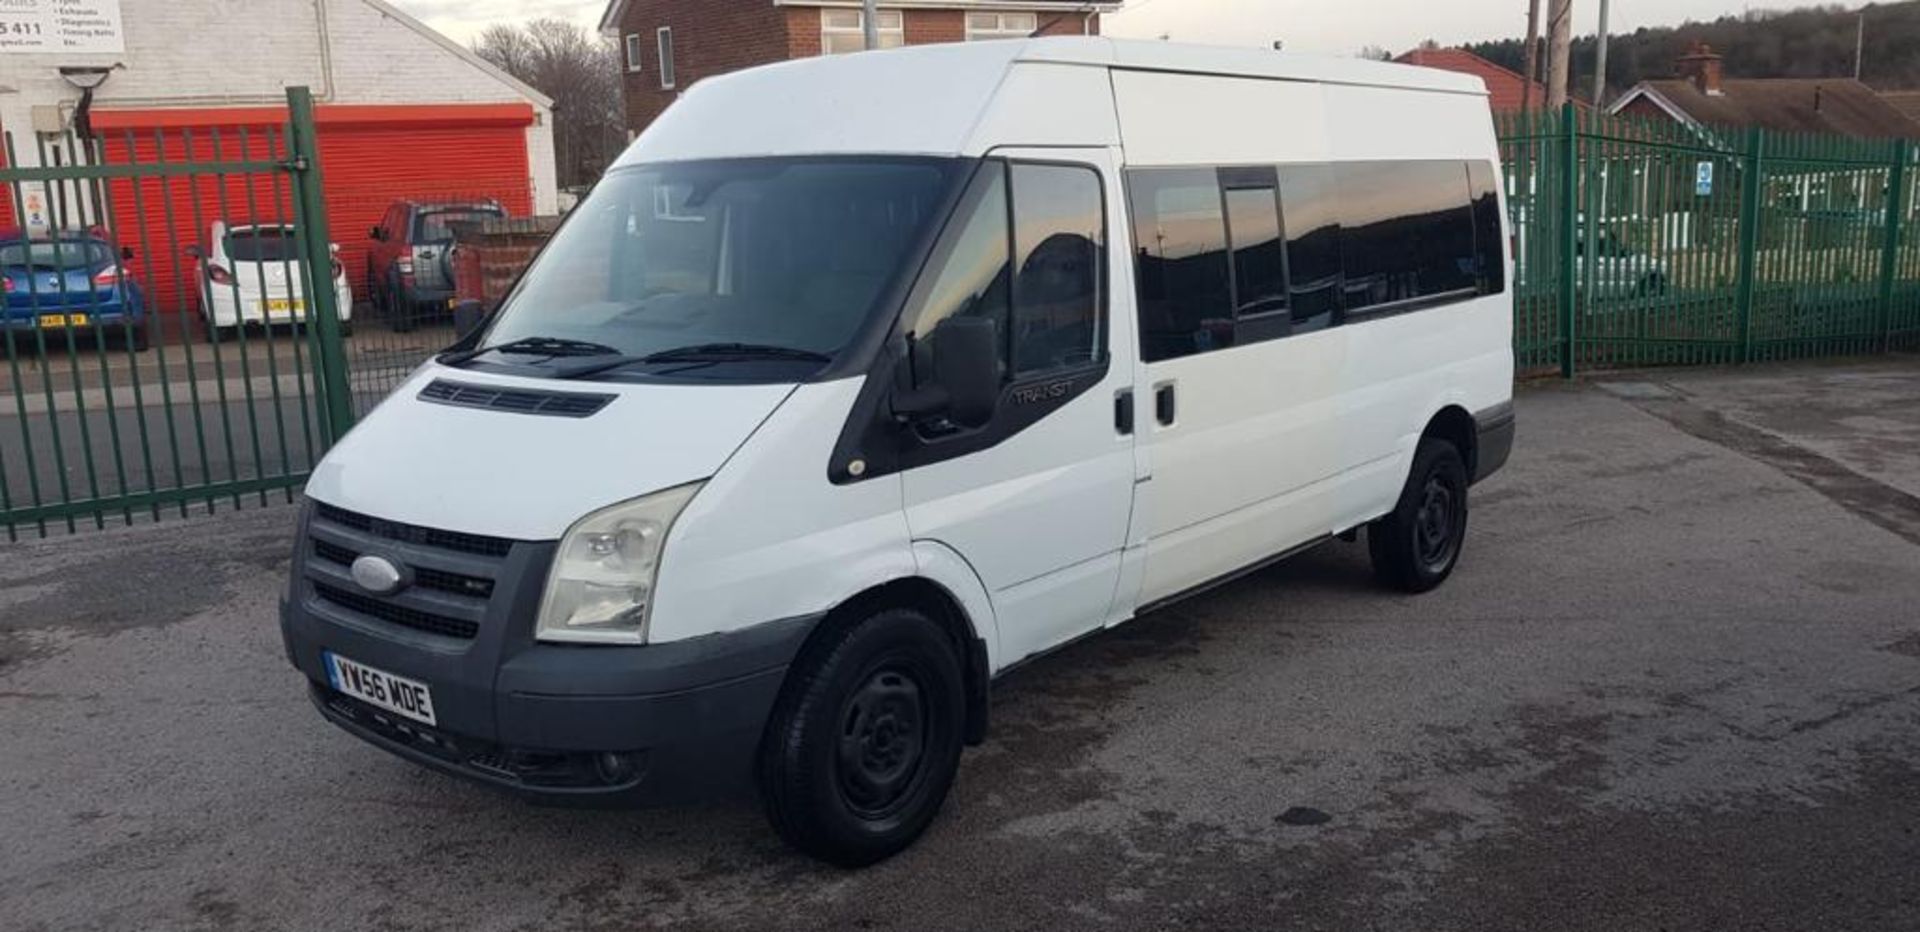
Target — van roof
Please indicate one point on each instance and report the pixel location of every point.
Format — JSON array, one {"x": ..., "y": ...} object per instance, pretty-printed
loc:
[
  {"x": 931, "y": 99},
  {"x": 1242, "y": 61}
]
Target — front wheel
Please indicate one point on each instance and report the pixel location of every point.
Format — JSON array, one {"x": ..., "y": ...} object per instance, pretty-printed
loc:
[
  {"x": 1416, "y": 546},
  {"x": 865, "y": 740}
]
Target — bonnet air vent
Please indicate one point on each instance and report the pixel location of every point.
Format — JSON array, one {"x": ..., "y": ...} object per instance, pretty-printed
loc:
[{"x": 519, "y": 400}]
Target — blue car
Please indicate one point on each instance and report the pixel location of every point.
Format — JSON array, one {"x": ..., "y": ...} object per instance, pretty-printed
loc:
[{"x": 69, "y": 283}]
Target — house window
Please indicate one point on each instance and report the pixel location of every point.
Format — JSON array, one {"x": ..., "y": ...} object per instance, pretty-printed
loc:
[
  {"x": 846, "y": 30},
  {"x": 633, "y": 51},
  {"x": 1001, "y": 25},
  {"x": 665, "y": 39}
]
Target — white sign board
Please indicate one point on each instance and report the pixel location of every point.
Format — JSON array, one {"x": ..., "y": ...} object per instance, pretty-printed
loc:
[
  {"x": 1702, "y": 174},
  {"x": 61, "y": 26}
]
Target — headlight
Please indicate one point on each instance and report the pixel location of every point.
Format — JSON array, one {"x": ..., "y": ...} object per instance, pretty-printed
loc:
[{"x": 601, "y": 585}]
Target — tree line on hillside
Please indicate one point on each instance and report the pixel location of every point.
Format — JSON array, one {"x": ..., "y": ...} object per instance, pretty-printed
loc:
[{"x": 1808, "y": 42}]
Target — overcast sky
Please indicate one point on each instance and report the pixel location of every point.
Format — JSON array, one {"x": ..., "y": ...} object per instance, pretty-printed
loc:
[{"x": 1334, "y": 27}]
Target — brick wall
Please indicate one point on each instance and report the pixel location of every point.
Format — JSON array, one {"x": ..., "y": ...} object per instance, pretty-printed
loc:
[
  {"x": 709, "y": 38},
  {"x": 924, "y": 27},
  {"x": 489, "y": 255},
  {"x": 1646, "y": 110}
]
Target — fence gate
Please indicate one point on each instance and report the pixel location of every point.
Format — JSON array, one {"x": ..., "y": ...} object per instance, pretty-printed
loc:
[
  {"x": 171, "y": 326},
  {"x": 1644, "y": 242}
]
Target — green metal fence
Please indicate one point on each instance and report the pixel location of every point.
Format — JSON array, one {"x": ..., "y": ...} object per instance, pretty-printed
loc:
[
  {"x": 120, "y": 399},
  {"x": 1636, "y": 243},
  {"x": 1655, "y": 243}
]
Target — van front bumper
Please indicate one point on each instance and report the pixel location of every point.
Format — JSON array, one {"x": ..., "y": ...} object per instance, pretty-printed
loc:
[
  {"x": 589, "y": 725},
  {"x": 657, "y": 739}
]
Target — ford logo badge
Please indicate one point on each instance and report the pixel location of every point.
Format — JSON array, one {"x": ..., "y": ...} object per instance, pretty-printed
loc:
[{"x": 376, "y": 574}]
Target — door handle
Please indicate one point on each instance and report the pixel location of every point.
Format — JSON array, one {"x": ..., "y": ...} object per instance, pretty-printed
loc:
[
  {"x": 1123, "y": 411},
  {"x": 1163, "y": 404}
]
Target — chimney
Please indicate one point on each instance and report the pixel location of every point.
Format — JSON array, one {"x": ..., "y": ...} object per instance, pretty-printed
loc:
[{"x": 1701, "y": 66}]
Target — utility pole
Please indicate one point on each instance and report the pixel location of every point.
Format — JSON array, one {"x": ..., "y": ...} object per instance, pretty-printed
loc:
[
  {"x": 870, "y": 18},
  {"x": 1600, "y": 61},
  {"x": 1859, "y": 42},
  {"x": 1533, "y": 56},
  {"x": 1559, "y": 41}
]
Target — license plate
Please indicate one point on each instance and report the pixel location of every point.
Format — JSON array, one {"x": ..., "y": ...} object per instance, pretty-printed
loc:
[
  {"x": 397, "y": 694},
  {"x": 63, "y": 320},
  {"x": 293, "y": 306}
]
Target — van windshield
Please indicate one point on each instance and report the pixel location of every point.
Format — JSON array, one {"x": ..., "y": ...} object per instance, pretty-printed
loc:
[{"x": 779, "y": 260}]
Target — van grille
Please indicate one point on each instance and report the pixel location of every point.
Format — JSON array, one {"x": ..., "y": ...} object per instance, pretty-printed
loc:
[
  {"x": 453, "y": 574},
  {"x": 413, "y": 534},
  {"x": 519, "y": 401},
  {"x": 400, "y": 615}
]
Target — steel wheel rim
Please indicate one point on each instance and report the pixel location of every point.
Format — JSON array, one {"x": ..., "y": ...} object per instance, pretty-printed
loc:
[
  {"x": 882, "y": 741},
  {"x": 1434, "y": 523}
]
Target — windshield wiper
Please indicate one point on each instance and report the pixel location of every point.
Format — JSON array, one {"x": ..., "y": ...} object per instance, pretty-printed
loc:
[
  {"x": 700, "y": 353},
  {"x": 534, "y": 346}
]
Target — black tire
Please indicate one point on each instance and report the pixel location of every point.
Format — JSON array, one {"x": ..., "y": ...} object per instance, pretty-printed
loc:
[
  {"x": 217, "y": 334},
  {"x": 138, "y": 338},
  {"x": 1416, "y": 546},
  {"x": 1652, "y": 285},
  {"x": 865, "y": 739}
]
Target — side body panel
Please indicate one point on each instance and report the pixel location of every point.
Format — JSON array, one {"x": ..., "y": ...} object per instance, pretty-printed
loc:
[{"x": 1273, "y": 444}]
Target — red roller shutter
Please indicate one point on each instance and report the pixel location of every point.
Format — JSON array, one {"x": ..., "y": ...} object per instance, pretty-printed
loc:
[{"x": 370, "y": 156}]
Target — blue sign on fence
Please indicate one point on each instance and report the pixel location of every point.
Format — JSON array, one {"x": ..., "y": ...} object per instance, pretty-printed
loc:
[{"x": 1703, "y": 179}]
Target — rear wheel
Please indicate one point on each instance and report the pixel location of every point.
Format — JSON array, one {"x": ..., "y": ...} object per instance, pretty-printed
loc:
[
  {"x": 865, "y": 740},
  {"x": 138, "y": 338},
  {"x": 1416, "y": 546}
]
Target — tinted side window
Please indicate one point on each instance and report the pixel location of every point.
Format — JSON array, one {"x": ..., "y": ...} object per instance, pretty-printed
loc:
[
  {"x": 1059, "y": 253},
  {"x": 1180, "y": 238},
  {"x": 973, "y": 265},
  {"x": 1310, "y": 196},
  {"x": 1408, "y": 231},
  {"x": 1259, "y": 259},
  {"x": 1489, "y": 247}
]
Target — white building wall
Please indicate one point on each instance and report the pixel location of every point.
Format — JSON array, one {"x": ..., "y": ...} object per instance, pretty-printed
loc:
[{"x": 228, "y": 53}]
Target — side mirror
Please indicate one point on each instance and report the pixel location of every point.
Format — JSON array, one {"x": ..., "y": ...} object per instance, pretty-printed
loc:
[
  {"x": 965, "y": 352},
  {"x": 375, "y": 234},
  {"x": 193, "y": 250},
  {"x": 126, "y": 254},
  {"x": 468, "y": 315}
]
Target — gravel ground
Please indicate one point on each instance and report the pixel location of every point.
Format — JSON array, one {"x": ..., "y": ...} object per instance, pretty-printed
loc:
[{"x": 1675, "y": 684}]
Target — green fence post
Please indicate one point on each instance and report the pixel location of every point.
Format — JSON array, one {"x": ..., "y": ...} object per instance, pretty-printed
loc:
[
  {"x": 310, "y": 207},
  {"x": 1890, "y": 239},
  {"x": 1749, "y": 240},
  {"x": 1569, "y": 230}
]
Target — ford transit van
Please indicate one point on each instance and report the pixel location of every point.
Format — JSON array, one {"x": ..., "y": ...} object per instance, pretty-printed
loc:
[{"x": 859, "y": 380}]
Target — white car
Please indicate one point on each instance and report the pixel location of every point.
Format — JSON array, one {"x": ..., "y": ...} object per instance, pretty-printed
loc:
[{"x": 250, "y": 275}]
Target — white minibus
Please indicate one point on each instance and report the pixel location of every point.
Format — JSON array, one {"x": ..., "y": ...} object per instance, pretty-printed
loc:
[{"x": 859, "y": 380}]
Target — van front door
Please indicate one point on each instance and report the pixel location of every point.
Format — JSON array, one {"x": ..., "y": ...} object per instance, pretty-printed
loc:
[{"x": 1037, "y": 499}]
